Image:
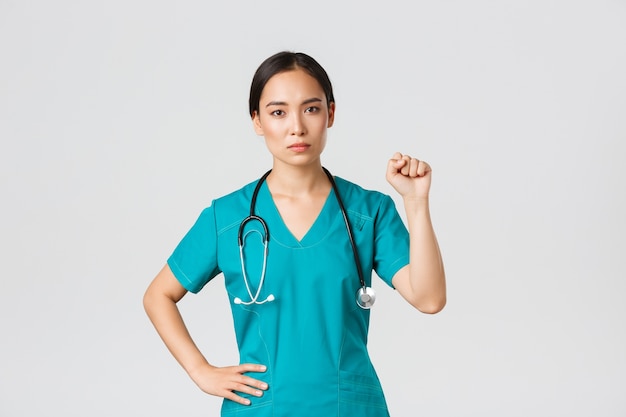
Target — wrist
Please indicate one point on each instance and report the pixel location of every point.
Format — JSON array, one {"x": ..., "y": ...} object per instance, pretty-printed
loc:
[
  {"x": 416, "y": 206},
  {"x": 197, "y": 369},
  {"x": 415, "y": 201}
]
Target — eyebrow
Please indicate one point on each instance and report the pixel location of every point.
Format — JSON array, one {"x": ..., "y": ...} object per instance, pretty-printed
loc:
[{"x": 283, "y": 103}]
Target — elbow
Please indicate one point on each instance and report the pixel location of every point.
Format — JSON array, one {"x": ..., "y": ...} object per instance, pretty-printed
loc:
[
  {"x": 431, "y": 307},
  {"x": 147, "y": 300},
  {"x": 150, "y": 300}
]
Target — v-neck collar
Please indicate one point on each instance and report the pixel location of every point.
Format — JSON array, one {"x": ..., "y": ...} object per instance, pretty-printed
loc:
[{"x": 279, "y": 231}]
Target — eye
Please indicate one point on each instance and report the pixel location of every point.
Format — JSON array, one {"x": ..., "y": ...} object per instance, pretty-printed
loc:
[
  {"x": 277, "y": 113},
  {"x": 312, "y": 109}
]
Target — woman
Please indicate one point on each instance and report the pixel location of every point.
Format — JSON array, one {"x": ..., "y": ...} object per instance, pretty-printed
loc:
[{"x": 300, "y": 324}]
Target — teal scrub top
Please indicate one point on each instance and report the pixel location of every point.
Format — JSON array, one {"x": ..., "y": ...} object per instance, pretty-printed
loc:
[{"x": 313, "y": 336}]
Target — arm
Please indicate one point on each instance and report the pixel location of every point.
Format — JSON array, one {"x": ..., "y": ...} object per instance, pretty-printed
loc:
[
  {"x": 160, "y": 304},
  {"x": 422, "y": 283}
]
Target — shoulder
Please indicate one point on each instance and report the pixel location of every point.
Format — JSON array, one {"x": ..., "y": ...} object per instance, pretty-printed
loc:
[
  {"x": 236, "y": 196},
  {"x": 232, "y": 207},
  {"x": 362, "y": 200}
]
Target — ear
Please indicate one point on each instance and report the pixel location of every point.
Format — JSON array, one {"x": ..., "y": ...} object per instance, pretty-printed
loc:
[
  {"x": 256, "y": 123},
  {"x": 331, "y": 114}
]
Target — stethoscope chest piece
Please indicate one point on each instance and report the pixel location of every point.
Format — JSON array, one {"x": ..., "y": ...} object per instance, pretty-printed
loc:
[{"x": 365, "y": 297}]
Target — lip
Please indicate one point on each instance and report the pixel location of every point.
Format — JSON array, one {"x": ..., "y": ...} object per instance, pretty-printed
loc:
[{"x": 299, "y": 147}]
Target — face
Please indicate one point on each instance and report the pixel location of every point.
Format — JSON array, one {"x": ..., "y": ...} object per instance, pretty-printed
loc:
[{"x": 293, "y": 117}]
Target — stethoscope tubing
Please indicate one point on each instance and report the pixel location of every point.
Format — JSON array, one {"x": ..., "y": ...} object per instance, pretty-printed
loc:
[
  {"x": 252, "y": 216},
  {"x": 365, "y": 295},
  {"x": 342, "y": 208}
]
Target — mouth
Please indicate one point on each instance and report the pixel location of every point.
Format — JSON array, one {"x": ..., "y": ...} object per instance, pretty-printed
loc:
[{"x": 299, "y": 147}]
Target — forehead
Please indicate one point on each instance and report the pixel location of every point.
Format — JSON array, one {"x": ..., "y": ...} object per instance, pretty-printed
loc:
[{"x": 294, "y": 84}]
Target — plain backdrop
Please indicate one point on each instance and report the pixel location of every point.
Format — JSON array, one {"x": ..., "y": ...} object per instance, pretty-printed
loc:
[{"x": 121, "y": 120}]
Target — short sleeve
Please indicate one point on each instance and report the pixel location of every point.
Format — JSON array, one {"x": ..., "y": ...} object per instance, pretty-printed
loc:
[
  {"x": 391, "y": 244},
  {"x": 194, "y": 261}
]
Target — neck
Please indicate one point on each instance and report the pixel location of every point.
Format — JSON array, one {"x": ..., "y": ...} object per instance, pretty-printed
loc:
[{"x": 297, "y": 180}]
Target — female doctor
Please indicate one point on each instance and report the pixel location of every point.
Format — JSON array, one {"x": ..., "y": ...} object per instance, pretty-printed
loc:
[{"x": 297, "y": 248}]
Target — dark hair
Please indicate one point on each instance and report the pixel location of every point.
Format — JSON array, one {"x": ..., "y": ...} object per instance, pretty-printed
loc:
[{"x": 286, "y": 61}]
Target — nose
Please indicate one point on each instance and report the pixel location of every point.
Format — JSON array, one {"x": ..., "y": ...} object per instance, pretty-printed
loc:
[{"x": 297, "y": 126}]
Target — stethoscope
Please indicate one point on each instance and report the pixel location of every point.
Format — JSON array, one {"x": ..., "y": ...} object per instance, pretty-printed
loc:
[{"x": 365, "y": 296}]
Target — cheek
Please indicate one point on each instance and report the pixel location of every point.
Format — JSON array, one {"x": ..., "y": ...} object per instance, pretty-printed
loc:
[
  {"x": 321, "y": 125},
  {"x": 272, "y": 126},
  {"x": 271, "y": 133}
]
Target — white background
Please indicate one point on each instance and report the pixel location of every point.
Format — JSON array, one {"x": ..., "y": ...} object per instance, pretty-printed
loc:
[{"x": 121, "y": 120}]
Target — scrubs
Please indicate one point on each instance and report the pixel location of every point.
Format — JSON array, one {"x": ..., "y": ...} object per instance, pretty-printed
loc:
[{"x": 313, "y": 336}]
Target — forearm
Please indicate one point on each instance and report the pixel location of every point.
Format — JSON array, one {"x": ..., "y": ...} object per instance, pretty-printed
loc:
[
  {"x": 160, "y": 304},
  {"x": 170, "y": 326},
  {"x": 426, "y": 270}
]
